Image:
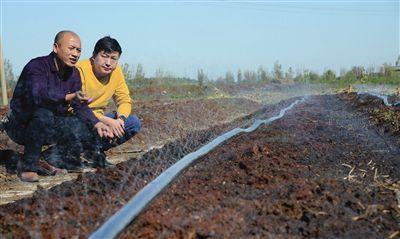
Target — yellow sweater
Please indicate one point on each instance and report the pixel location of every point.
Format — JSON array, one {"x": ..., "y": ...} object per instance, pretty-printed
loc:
[{"x": 101, "y": 93}]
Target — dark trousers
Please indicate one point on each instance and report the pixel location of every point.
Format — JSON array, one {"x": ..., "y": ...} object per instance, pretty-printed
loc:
[
  {"x": 44, "y": 128},
  {"x": 91, "y": 145},
  {"x": 132, "y": 127}
]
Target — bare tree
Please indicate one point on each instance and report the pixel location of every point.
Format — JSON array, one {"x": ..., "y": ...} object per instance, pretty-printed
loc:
[
  {"x": 358, "y": 72},
  {"x": 277, "y": 72},
  {"x": 201, "y": 78},
  {"x": 289, "y": 74},
  {"x": 250, "y": 77},
  {"x": 159, "y": 76},
  {"x": 239, "y": 77},
  {"x": 262, "y": 75},
  {"x": 128, "y": 74},
  {"x": 139, "y": 74},
  {"x": 229, "y": 78}
]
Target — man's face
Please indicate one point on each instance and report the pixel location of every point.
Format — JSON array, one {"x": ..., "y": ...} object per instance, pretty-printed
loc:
[
  {"x": 105, "y": 63},
  {"x": 68, "y": 49}
]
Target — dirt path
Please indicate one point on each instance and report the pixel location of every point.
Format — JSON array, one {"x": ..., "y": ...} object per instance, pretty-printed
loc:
[
  {"x": 321, "y": 171},
  {"x": 324, "y": 170}
]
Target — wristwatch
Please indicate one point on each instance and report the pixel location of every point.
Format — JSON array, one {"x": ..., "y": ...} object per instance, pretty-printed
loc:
[{"x": 122, "y": 117}]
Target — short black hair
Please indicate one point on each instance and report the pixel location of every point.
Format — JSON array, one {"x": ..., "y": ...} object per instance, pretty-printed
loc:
[{"x": 108, "y": 45}]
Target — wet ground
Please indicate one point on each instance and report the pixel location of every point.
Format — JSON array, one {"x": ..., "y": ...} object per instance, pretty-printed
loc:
[
  {"x": 321, "y": 171},
  {"x": 329, "y": 168},
  {"x": 161, "y": 122}
]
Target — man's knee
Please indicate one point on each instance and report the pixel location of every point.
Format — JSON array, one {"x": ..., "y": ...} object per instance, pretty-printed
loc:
[
  {"x": 43, "y": 116},
  {"x": 132, "y": 125}
]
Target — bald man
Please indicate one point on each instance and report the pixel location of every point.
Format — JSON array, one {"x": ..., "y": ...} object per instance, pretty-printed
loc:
[{"x": 38, "y": 115}]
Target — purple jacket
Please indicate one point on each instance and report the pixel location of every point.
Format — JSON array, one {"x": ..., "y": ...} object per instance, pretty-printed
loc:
[{"x": 40, "y": 86}]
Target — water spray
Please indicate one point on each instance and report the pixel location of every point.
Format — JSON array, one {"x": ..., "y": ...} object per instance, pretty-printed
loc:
[{"x": 117, "y": 222}]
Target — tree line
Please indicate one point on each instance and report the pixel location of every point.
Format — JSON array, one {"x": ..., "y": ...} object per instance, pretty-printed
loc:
[{"x": 136, "y": 77}]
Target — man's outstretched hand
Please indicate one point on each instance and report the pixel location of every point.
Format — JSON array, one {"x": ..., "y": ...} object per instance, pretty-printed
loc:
[
  {"x": 79, "y": 96},
  {"x": 83, "y": 98}
]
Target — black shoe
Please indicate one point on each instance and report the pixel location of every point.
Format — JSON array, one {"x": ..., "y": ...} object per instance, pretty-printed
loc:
[
  {"x": 60, "y": 157},
  {"x": 97, "y": 158}
]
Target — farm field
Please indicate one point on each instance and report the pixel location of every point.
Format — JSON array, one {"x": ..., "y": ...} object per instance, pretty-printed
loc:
[{"x": 328, "y": 168}]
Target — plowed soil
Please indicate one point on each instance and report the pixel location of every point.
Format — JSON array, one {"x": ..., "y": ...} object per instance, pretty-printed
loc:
[
  {"x": 321, "y": 171},
  {"x": 329, "y": 168},
  {"x": 162, "y": 122}
]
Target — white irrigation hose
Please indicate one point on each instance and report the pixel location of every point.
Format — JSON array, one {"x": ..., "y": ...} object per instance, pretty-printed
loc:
[
  {"x": 383, "y": 97},
  {"x": 117, "y": 222}
]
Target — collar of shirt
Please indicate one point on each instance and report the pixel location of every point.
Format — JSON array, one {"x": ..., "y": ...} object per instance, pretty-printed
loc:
[
  {"x": 53, "y": 68},
  {"x": 51, "y": 59}
]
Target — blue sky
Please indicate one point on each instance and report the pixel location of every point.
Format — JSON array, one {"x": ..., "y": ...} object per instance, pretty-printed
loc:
[{"x": 180, "y": 37}]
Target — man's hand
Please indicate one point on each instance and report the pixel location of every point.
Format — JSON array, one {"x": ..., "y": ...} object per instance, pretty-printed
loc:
[
  {"x": 103, "y": 130},
  {"x": 70, "y": 97},
  {"x": 78, "y": 96},
  {"x": 117, "y": 126},
  {"x": 83, "y": 98}
]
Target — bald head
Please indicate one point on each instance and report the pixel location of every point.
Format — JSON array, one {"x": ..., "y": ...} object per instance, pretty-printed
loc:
[{"x": 60, "y": 35}]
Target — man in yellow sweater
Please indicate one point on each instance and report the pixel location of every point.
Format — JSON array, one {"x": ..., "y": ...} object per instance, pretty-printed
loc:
[{"x": 102, "y": 79}]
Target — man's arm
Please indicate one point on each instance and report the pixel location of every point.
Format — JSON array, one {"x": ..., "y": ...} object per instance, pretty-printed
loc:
[
  {"x": 41, "y": 94},
  {"x": 82, "y": 111},
  {"x": 123, "y": 101},
  {"x": 122, "y": 96}
]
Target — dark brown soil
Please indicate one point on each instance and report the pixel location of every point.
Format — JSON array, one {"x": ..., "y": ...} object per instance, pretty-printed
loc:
[
  {"x": 161, "y": 122},
  {"x": 288, "y": 179},
  {"x": 326, "y": 169}
]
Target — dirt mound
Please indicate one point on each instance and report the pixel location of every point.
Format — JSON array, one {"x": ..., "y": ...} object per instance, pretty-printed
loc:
[{"x": 386, "y": 117}]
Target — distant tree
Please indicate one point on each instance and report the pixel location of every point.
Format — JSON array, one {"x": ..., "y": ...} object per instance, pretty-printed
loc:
[
  {"x": 299, "y": 76},
  {"x": 262, "y": 75},
  {"x": 329, "y": 76},
  {"x": 139, "y": 74},
  {"x": 159, "y": 76},
  {"x": 250, "y": 76},
  {"x": 9, "y": 74},
  {"x": 239, "y": 77},
  {"x": 358, "y": 72},
  {"x": 229, "y": 78},
  {"x": 398, "y": 61},
  {"x": 310, "y": 76},
  {"x": 201, "y": 77},
  {"x": 128, "y": 74},
  {"x": 8, "y": 70},
  {"x": 289, "y": 74},
  {"x": 277, "y": 72},
  {"x": 386, "y": 70}
]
